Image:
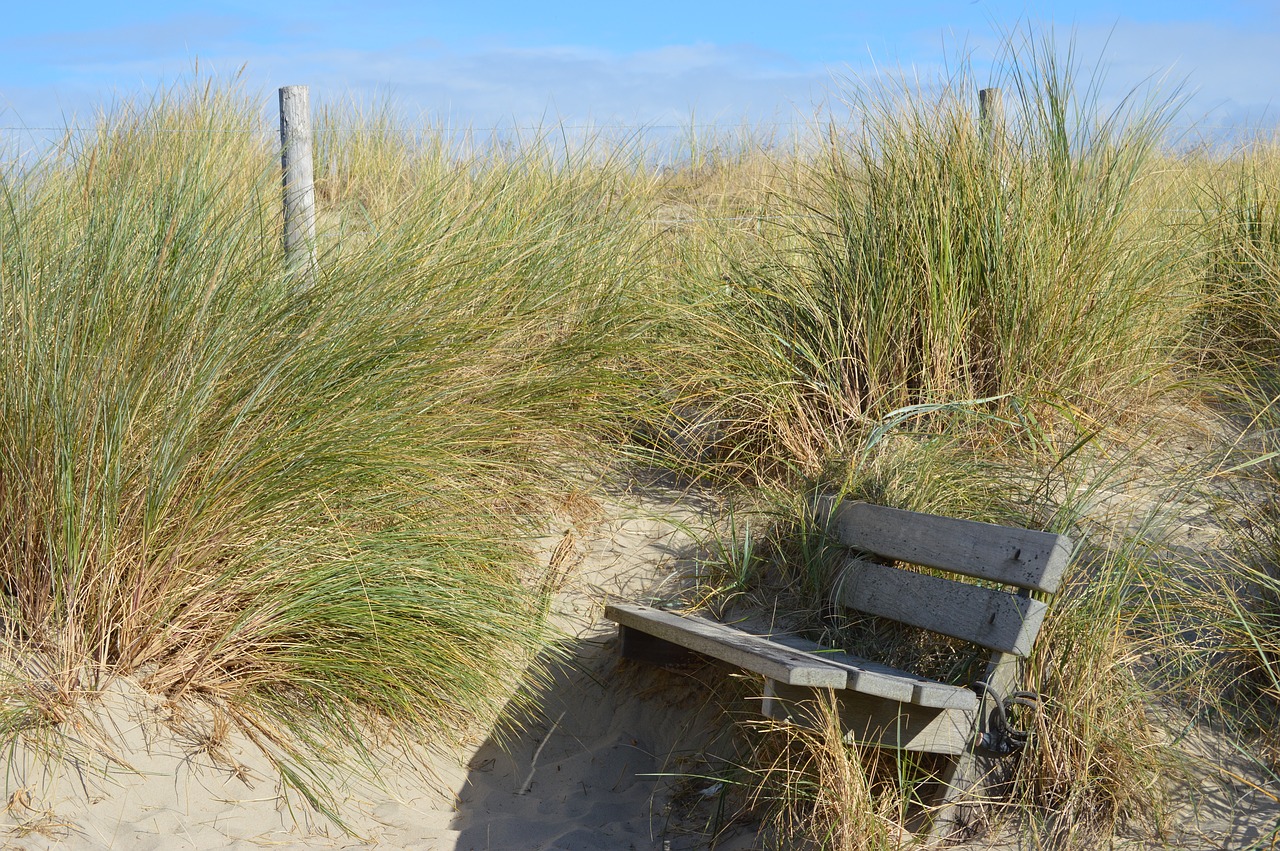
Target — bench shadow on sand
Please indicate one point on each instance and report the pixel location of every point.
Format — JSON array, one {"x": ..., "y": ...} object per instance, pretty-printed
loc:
[{"x": 610, "y": 754}]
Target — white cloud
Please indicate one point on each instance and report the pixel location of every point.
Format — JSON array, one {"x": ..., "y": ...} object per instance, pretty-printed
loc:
[{"x": 523, "y": 85}]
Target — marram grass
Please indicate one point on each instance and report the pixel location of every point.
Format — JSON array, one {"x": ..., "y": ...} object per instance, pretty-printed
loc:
[
  {"x": 305, "y": 501},
  {"x": 923, "y": 260}
]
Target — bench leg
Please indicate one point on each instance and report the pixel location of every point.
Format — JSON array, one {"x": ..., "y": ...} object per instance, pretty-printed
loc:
[
  {"x": 771, "y": 706},
  {"x": 970, "y": 773},
  {"x": 959, "y": 782}
]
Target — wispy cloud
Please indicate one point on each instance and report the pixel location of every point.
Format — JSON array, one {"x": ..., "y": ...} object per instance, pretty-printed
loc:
[
  {"x": 577, "y": 83},
  {"x": 1233, "y": 65}
]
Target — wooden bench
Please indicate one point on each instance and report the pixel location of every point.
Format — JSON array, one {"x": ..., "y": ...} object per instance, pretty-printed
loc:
[{"x": 1017, "y": 572}]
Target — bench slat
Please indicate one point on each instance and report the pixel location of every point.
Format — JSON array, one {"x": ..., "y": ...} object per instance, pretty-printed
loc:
[
  {"x": 731, "y": 645},
  {"x": 1021, "y": 557},
  {"x": 879, "y": 680},
  {"x": 987, "y": 617}
]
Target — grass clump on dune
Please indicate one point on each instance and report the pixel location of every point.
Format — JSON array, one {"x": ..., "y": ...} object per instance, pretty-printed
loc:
[
  {"x": 1240, "y": 207},
  {"x": 306, "y": 503},
  {"x": 928, "y": 261}
]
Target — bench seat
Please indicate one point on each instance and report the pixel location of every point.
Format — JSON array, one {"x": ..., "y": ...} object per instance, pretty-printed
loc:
[{"x": 788, "y": 660}]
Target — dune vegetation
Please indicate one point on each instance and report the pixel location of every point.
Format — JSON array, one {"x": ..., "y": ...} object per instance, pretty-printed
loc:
[{"x": 275, "y": 493}]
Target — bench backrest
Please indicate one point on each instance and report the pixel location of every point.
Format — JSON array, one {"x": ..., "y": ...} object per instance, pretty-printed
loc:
[{"x": 1005, "y": 619}]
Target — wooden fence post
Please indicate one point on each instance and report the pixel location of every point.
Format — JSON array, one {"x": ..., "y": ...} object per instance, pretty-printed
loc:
[
  {"x": 299, "y": 185},
  {"x": 991, "y": 118}
]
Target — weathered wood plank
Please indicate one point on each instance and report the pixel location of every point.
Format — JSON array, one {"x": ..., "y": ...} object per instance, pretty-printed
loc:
[
  {"x": 1022, "y": 557},
  {"x": 862, "y": 677},
  {"x": 987, "y": 617},
  {"x": 873, "y": 721},
  {"x": 880, "y": 680},
  {"x": 731, "y": 645}
]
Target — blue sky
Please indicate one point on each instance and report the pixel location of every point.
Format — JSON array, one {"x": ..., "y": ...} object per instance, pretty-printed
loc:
[{"x": 485, "y": 63}]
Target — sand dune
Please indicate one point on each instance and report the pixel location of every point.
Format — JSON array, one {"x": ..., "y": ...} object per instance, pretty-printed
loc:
[{"x": 613, "y": 756}]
